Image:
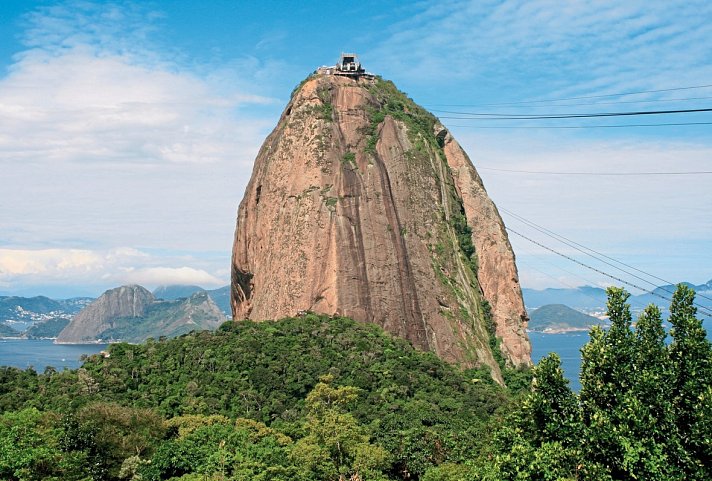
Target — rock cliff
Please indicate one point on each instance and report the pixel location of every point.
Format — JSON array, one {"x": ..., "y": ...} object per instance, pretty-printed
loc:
[
  {"x": 132, "y": 314},
  {"x": 362, "y": 204},
  {"x": 97, "y": 317}
]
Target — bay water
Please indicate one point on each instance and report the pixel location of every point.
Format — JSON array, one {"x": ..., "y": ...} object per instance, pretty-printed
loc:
[{"x": 40, "y": 353}]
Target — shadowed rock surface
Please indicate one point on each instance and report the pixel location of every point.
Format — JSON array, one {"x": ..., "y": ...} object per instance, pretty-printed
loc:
[{"x": 361, "y": 204}]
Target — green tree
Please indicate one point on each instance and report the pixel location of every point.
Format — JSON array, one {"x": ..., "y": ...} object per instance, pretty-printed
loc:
[
  {"x": 606, "y": 376},
  {"x": 336, "y": 445},
  {"x": 543, "y": 440},
  {"x": 30, "y": 448},
  {"x": 691, "y": 356},
  {"x": 119, "y": 432}
]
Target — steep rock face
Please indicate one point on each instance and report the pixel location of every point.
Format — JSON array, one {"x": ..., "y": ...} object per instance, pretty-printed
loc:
[
  {"x": 361, "y": 204},
  {"x": 132, "y": 314},
  {"x": 497, "y": 271},
  {"x": 97, "y": 317},
  {"x": 168, "y": 319}
]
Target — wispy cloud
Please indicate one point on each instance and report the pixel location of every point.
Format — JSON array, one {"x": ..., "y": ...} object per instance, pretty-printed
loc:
[
  {"x": 91, "y": 87},
  {"x": 109, "y": 138},
  {"x": 118, "y": 266},
  {"x": 155, "y": 276},
  {"x": 660, "y": 223},
  {"x": 552, "y": 46}
]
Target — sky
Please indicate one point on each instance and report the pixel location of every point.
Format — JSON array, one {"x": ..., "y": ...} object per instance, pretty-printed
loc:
[{"x": 128, "y": 129}]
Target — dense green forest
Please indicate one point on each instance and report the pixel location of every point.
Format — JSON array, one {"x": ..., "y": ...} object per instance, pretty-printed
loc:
[{"x": 322, "y": 398}]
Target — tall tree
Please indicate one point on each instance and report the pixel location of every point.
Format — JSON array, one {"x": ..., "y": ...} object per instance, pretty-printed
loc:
[
  {"x": 691, "y": 356},
  {"x": 606, "y": 377}
]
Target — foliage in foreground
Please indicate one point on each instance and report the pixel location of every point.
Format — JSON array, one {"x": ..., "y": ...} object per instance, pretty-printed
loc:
[
  {"x": 644, "y": 410},
  {"x": 317, "y": 398},
  {"x": 406, "y": 412}
]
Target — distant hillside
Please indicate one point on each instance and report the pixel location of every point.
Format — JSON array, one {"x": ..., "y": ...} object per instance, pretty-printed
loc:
[
  {"x": 220, "y": 296},
  {"x": 585, "y": 297},
  {"x": 7, "y": 331},
  {"x": 23, "y": 312},
  {"x": 168, "y": 319},
  {"x": 560, "y": 318},
  {"x": 589, "y": 299},
  {"x": 173, "y": 292},
  {"x": 46, "y": 329},
  {"x": 13, "y": 305},
  {"x": 133, "y": 314}
]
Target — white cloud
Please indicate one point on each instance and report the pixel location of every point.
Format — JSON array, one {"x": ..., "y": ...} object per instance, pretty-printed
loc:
[
  {"x": 57, "y": 262},
  {"x": 123, "y": 265},
  {"x": 91, "y": 87},
  {"x": 108, "y": 139},
  {"x": 154, "y": 276},
  {"x": 659, "y": 223},
  {"x": 564, "y": 47}
]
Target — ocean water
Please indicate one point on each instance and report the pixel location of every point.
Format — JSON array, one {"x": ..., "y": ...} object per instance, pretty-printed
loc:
[
  {"x": 40, "y": 353},
  {"x": 567, "y": 345}
]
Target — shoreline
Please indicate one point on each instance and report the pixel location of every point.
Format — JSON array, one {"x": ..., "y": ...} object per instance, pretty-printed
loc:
[{"x": 563, "y": 330}]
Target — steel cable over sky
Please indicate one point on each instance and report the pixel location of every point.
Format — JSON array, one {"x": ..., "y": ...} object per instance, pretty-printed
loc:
[
  {"x": 615, "y": 126},
  {"x": 547, "y": 172},
  {"x": 584, "y": 104},
  {"x": 701, "y": 309},
  {"x": 620, "y": 94},
  {"x": 599, "y": 256},
  {"x": 493, "y": 116}
]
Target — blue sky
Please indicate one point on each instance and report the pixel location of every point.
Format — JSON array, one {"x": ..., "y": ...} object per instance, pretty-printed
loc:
[{"x": 128, "y": 129}]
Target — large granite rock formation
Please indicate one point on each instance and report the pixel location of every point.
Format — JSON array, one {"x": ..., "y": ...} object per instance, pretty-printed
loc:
[
  {"x": 133, "y": 314},
  {"x": 362, "y": 204},
  {"x": 90, "y": 322}
]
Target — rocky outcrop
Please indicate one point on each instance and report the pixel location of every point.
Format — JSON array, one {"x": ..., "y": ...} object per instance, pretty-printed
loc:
[
  {"x": 132, "y": 314},
  {"x": 361, "y": 204},
  {"x": 97, "y": 317},
  {"x": 497, "y": 271}
]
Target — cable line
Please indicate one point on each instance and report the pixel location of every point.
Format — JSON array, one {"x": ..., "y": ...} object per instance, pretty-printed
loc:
[
  {"x": 492, "y": 116},
  {"x": 698, "y": 172},
  {"x": 587, "y": 250},
  {"x": 586, "y": 104},
  {"x": 575, "y": 246},
  {"x": 577, "y": 126},
  {"x": 587, "y": 96},
  {"x": 699, "y": 308},
  {"x": 633, "y": 301}
]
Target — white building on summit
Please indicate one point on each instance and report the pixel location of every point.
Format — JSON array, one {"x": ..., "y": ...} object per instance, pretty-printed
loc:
[{"x": 348, "y": 66}]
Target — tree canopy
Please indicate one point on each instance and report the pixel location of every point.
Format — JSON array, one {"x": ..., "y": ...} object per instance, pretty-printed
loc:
[{"x": 319, "y": 398}]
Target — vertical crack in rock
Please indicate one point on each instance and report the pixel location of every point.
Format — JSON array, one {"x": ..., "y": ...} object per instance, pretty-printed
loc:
[{"x": 354, "y": 208}]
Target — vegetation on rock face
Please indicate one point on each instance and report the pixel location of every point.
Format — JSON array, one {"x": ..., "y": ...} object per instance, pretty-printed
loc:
[
  {"x": 318, "y": 398},
  {"x": 452, "y": 248},
  {"x": 7, "y": 331},
  {"x": 48, "y": 328}
]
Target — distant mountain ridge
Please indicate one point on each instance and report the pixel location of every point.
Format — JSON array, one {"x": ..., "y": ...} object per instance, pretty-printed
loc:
[
  {"x": 43, "y": 317},
  {"x": 22, "y": 313},
  {"x": 221, "y": 295},
  {"x": 593, "y": 299},
  {"x": 555, "y": 318},
  {"x": 133, "y": 314}
]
